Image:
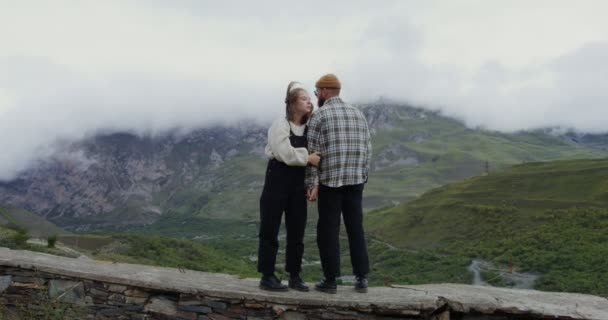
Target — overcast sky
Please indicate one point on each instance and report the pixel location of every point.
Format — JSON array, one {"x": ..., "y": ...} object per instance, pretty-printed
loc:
[{"x": 70, "y": 68}]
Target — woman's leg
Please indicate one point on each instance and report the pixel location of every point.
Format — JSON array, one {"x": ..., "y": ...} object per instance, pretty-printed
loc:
[
  {"x": 272, "y": 205},
  {"x": 295, "y": 223}
]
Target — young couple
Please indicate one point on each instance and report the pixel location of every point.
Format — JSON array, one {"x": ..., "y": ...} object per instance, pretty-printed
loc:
[{"x": 323, "y": 155}]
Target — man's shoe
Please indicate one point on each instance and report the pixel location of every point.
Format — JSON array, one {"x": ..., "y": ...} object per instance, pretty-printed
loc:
[
  {"x": 271, "y": 283},
  {"x": 361, "y": 284},
  {"x": 327, "y": 286},
  {"x": 296, "y": 283}
]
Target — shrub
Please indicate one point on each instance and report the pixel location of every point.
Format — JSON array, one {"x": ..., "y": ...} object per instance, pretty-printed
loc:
[
  {"x": 20, "y": 238},
  {"x": 51, "y": 240}
]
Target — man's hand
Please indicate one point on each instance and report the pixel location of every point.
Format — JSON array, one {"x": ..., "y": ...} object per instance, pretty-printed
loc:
[{"x": 312, "y": 193}]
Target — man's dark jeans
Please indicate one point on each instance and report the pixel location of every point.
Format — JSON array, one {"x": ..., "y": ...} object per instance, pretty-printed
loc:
[{"x": 332, "y": 203}]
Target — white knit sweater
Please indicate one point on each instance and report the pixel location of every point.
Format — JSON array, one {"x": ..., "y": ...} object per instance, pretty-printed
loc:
[{"x": 279, "y": 147}]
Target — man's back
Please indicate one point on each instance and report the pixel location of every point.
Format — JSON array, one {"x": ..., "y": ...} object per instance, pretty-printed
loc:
[{"x": 341, "y": 134}]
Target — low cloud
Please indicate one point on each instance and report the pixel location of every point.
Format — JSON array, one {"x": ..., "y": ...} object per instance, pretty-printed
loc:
[{"x": 68, "y": 71}]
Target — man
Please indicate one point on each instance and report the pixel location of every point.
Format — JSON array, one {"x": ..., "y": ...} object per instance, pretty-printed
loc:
[{"x": 339, "y": 132}]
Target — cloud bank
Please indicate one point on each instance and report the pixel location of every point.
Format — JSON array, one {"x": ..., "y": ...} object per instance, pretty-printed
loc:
[{"x": 69, "y": 69}]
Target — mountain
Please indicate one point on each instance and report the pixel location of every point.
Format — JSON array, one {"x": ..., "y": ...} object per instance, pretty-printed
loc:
[
  {"x": 122, "y": 180},
  {"x": 544, "y": 217}
]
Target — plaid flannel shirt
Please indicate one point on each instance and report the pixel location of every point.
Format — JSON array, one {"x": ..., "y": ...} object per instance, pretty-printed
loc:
[{"x": 340, "y": 133}]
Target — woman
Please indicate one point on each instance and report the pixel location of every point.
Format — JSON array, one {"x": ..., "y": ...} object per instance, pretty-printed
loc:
[{"x": 284, "y": 191}]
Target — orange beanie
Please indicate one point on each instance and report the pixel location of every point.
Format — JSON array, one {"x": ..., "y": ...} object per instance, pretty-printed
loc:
[{"x": 328, "y": 81}]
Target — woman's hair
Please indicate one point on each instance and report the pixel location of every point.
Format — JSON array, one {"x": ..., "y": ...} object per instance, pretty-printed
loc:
[{"x": 293, "y": 92}]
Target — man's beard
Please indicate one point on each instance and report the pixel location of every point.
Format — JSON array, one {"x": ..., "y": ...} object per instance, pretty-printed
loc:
[{"x": 321, "y": 101}]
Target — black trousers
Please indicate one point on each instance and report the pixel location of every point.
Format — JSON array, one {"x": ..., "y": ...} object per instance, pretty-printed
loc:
[
  {"x": 332, "y": 202},
  {"x": 284, "y": 191}
]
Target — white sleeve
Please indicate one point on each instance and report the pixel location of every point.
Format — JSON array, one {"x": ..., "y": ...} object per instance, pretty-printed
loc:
[{"x": 280, "y": 146}]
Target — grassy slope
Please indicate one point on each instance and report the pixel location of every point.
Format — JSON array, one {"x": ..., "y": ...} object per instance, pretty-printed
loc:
[
  {"x": 239, "y": 241},
  {"x": 141, "y": 249},
  {"x": 34, "y": 224},
  {"x": 11, "y": 236},
  {"x": 5, "y": 232},
  {"x": 160, "y": 251},
  {"x": 449, "y": 152},
  {"x": 234, "y": 196},
  {"x": 549, "y": 217}
]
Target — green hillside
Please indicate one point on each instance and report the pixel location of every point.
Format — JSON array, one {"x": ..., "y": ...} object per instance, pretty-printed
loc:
[
  {"x": 548, "y": 217},
  {"x": 160, "y": 251},
  {"x": 443, "y": 150},
  {"x": 18, "y": 226},
  {"x": 35, "y": 225},
  {"x": 234, "y": 196}
]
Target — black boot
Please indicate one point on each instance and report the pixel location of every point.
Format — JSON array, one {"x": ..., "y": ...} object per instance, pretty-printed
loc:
[
  {"x": 327, "y": 286},
  {"x": 361, "y": 284},
  {"x": 295, "y": 282},
  {"x": 272, "y": 283}
]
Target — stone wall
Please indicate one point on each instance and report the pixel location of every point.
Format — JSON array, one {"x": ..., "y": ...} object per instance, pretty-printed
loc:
[
  {"x": 37, "y": 295},
  {"x": 30, "y": 294},
  {"x": 41, "y": 286}
]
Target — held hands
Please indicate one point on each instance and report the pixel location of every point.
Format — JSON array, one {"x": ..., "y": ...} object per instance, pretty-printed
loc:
[
  {"x": 314, "y": 159},
  {"x": 312, "y": 193}
]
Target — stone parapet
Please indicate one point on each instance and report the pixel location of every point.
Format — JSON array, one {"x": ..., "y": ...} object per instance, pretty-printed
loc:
[{"x": 35, "y": 285}]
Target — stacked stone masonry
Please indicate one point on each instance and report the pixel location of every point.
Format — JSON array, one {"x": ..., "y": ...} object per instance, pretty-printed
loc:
[
  {"x": 39, "y": 295},
  {"x": 41, "y": 286}
]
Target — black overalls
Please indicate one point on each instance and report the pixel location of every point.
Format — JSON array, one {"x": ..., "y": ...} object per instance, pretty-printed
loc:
[{"x": 284, "y": 191}]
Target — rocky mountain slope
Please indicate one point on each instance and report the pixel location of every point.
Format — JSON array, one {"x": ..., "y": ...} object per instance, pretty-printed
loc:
[{"x": 117, "y": 180}]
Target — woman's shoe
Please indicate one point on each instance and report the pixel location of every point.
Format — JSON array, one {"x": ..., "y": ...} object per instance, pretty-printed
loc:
[{"x": 272, "y": 283}]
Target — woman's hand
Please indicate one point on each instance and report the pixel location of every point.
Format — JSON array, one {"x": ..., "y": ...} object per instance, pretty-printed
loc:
[
  {"x": 312, "y": 193},
  {"x": 314, "y": 159}
]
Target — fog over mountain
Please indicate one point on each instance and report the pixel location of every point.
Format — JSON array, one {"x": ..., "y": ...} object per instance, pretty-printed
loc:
[{"x": 69, "y": 70}]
